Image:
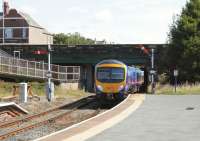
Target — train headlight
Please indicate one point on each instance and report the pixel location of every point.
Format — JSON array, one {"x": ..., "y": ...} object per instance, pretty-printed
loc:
[
  {"x": 120, "y": 88},
  {"x": 100, "y": 88}
]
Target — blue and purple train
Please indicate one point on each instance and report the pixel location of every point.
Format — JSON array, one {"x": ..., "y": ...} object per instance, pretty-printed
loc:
[{"x": 115, "y": 79}]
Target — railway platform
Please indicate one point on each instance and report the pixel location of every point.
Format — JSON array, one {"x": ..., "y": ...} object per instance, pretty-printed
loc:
[
  {"x": 99, "y": 123},
  {"x": 159, "y": 118}
]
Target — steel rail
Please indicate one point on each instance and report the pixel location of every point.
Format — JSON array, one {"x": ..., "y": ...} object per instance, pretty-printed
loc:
[
  {"x": 12, "y": 123},
  {"x": 38, "y": 124}
]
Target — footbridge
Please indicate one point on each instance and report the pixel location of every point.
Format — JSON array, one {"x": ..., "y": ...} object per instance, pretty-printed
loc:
[
  {"x": 20, "y": 68},
  {"x": 86, "y": 56}
]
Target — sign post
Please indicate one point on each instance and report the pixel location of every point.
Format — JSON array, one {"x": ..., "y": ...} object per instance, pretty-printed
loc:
[
  {"x": 175, "y": 79},
  {"x": 50, "y": 85},
  {"x": 3, "y": 22},
  {"x": 153, "y": 73},
  {"x": 50, "y": 93}
]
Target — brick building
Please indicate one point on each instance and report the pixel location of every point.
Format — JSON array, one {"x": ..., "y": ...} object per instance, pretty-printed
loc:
[{"x": 20, "y": 28}]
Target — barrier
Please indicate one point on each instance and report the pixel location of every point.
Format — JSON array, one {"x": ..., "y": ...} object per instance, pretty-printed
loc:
[{"x": 25, "y": 68}]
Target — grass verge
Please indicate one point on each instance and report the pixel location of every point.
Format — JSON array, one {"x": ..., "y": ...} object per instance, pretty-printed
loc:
[
  {"x": 185, "y": 89},
  {"x": 6, "y": 90}
]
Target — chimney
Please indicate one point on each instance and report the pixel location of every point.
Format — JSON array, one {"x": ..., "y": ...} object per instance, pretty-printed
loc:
[{"x": 6, "y": 8}]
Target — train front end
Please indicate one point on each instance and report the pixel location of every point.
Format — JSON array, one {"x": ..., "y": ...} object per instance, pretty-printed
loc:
[{"x": 110, "y": 79}]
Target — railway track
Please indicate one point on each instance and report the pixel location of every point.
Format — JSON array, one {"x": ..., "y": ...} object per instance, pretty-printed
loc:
[{"x": 25, "y": 124}]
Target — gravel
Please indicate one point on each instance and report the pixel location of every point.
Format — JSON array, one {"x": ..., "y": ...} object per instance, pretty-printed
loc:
[
  {"x": 52, "y": 127},
  {"x": 37, "y": 105}
]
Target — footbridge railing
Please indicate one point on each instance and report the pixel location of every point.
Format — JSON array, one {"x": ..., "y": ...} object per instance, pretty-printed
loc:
[{"x": 34, "y": 69}]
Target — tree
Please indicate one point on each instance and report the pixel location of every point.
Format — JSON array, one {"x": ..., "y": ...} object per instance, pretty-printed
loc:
[
  {"x": 71, "y": 39},
  {"x": 184, "y": 39}
]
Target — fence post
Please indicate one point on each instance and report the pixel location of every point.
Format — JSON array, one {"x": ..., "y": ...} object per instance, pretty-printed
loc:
[
  {"x": 9, "y": 65},
  {"x": 17, "y": 66},
  {"x": 43, "y": 69},
  {"x": 66, "y": 73},
  {"x": 58, "y": 72},
  {"x": 27, "y": 68},
  {"x": 73, "y": 73},
  {"x": 35, "y": 69},
  {"x": 0, "y": 64}
]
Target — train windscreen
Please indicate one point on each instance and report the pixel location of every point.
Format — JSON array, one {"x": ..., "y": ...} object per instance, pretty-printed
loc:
[{"x": 110, "y": 75}]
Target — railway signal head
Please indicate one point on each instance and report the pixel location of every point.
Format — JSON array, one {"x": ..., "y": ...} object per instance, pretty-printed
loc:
[
  {"x": 40, "y": 52},
  {"x": 145, "y": 50}
]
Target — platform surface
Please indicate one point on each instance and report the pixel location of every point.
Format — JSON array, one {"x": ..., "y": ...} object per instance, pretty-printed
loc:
[
  {"x": 97, "y": 124},
  {"x": 159, "y": 118}
]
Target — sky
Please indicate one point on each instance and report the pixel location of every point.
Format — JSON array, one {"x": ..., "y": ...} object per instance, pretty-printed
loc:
[{"x": 118, "y": 21}]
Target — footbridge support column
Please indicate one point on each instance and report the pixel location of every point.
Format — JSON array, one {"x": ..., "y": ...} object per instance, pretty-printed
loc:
[{"x": 87, "y": 78}]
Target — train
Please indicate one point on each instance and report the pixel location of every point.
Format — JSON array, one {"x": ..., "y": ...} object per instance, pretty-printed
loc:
[{"x": 115, "y": 79}]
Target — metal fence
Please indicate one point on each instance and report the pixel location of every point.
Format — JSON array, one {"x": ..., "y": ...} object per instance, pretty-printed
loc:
[{"x": 20, "y": 67}]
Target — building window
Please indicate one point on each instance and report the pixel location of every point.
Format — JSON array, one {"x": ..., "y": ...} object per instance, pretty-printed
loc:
[
  {"x": 23, "y": 32},
  {"x": 8, "y": 33}
]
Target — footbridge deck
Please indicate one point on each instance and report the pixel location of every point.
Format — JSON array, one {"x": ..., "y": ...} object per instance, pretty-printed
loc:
[
  {"x": 85, "y": 54},
  {"x": 38, "y": 70}
]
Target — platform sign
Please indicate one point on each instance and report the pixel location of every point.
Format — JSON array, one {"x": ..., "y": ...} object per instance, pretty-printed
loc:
[
  {"x": 175, "y": 79},
  {"x": 49, "y": 75},
  {"x": 175, "y": 72},
  {"x": 152, "y": 72}
]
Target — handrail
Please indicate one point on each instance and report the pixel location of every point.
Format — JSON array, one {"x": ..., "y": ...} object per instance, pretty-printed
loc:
[{"x": 26, "y": 68}]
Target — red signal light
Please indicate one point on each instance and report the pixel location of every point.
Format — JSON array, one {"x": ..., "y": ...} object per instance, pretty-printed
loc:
[
  {"x": 40, "y": 52},
  {"x": 145, "y": 50}
]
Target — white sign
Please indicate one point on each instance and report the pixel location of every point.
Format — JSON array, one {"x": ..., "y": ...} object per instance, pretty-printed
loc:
[
  {"x": 49, "y": 75},
  {"x": 175, "y": 72},
  {"x": 152, "y": 72}
]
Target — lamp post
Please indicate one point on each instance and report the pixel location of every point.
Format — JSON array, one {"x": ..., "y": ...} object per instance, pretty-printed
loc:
[{"x": 50, "y": 85}]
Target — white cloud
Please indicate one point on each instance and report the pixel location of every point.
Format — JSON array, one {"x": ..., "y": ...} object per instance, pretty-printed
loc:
[
  {"x": 28, "y": 9},
  {"x": 77, "y": 9},
  {"x": 122, "y": 21},
  {"x": 104, "y": 15}
]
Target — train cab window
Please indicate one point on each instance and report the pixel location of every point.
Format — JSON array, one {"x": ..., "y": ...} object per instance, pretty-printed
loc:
[
  {"x": 110, "y": 75},
  {"x": 103, "y": 73},
  {"x": 117, "y": 73}
]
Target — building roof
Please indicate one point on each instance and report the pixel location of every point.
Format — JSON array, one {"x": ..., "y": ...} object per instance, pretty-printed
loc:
[{"x": 30, "y": 20}]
